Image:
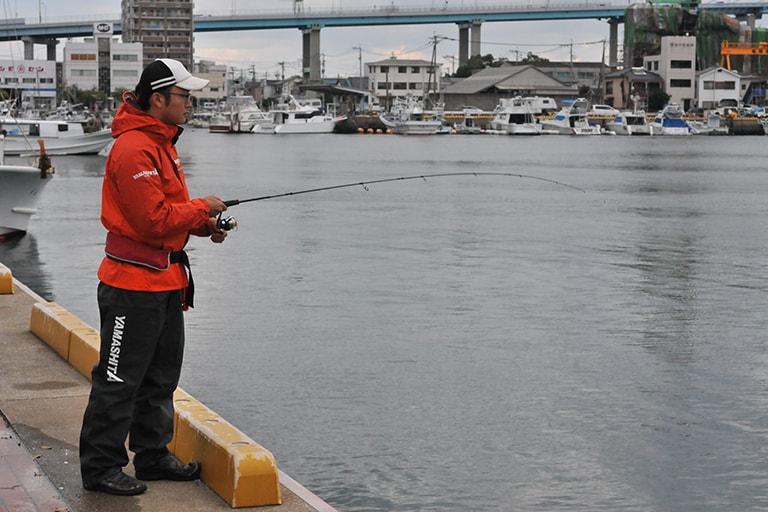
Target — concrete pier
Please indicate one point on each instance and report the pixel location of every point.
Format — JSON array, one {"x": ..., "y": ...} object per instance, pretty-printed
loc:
[{"x": 42, "y": 400}]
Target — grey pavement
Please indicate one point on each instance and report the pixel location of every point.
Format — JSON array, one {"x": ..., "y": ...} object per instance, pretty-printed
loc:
[{"x": 43, "y": 399}]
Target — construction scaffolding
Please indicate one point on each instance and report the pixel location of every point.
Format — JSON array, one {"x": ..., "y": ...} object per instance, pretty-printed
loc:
[{"x": 646, "y": 24}]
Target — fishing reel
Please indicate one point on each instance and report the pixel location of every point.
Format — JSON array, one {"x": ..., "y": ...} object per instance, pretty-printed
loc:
[{"x": 226, "y": 223}]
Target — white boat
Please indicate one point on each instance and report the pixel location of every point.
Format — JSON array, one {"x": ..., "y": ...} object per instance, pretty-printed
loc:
[
  {"x": 630, "y": 123},
  {"x": 469, "y": 124},
  {"x": 670, "y": 121},
  {"x": 243, "y": 115},
  {"x": 20, "y": 189},
  {"x": 60, "y": 137},
  {"x": 570, "y": 120},
  {"x": 408, "y": 117},
  {"x": 295, "y": 116},
  {"x": 712, "y": 126},
  {"x": 514, "y": 116}
]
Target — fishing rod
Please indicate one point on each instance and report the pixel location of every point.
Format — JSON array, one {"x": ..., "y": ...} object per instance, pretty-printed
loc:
[{"x": 231, "y": 222}]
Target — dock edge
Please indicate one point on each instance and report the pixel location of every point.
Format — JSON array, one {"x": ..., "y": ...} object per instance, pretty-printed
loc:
[{"x": 238, "y": 469}]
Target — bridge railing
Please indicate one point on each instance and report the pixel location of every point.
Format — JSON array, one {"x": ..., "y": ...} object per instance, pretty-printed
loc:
[{"x": 392, "y": 9}]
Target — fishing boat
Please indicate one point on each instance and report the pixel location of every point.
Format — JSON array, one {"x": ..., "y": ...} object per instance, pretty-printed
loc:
[
  {"x": 21, "y": 187},
  {"x": 298, "y": 116},
  {"x": 60, "y": 137},
  {"x": 669, "y": 121},
  {"x": 633, "y": 122},
  {"x": 713, "y": 125},
  {"x": 241, "y": 115},
  {"x": 514, "y": 116},
  {"x": 409, "y": 117},
  {"x": 570, "y": 120}
]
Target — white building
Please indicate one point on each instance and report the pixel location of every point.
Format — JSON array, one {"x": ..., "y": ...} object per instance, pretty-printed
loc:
[
  {"x": 82, "y": 65},
  {"x": 33, "y": 81},
  {"x": 676, "y": 64},
  {"x": 715, "y": 84},
  {"x": 399, "y": 77}
]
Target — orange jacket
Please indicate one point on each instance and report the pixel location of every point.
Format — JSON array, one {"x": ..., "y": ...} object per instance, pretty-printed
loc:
[{"x": 145, "y": 198}]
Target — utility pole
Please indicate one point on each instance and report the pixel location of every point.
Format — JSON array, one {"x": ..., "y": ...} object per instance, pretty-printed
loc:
[
  {"x": 360, "y": 64},
  {"x": 433, "y": 68},
  {"x": 282, "y": 76},
  {"x": 322, "y": 64}
]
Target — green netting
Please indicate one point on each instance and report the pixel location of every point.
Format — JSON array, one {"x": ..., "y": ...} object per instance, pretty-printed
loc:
[{"x": 645, "y": 24}]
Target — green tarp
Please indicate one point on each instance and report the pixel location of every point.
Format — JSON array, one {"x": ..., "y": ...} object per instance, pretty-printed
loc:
[{"x": 645, "y": 24}]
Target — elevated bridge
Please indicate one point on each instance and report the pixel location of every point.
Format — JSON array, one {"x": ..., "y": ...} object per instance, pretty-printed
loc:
[{"x": 469, "y": 20}]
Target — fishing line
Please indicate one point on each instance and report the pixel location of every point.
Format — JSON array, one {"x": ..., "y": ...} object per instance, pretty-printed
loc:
[
  {"x": 229, "y": 223},
  {"x": 364, "y": 184}
]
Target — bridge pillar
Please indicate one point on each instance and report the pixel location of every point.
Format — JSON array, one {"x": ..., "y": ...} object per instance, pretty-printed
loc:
[
  {"x": 311, "y": 53},
  {"x": 475, "y": 37},
  {"x": 463, "y": 43},
  {"x": 50, "y": 49},
  {"x": 613, "y": 44},
  {"x": 29, "y": 47}
]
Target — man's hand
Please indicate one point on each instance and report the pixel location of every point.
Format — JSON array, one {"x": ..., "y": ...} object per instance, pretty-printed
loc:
[
  {"x": 215, "y": 205},
  {"x": 217, "y": 235}
]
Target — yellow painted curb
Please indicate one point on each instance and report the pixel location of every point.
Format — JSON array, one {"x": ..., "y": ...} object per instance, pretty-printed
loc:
[
  {"x": 237, "y": 468},
  {"x": 84, "y": 350},
  {"x": 53, "y": 324},
  {"x": 6, "y": 280}
]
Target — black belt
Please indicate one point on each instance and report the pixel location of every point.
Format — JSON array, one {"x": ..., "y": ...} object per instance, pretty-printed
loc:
[{"x": 189, "y": 293}]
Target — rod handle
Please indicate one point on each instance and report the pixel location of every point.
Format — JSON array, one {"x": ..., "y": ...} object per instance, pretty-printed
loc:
[{"x": 232, "y": 202}]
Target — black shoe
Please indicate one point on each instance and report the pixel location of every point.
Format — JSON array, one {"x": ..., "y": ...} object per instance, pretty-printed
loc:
[
  {"x": 119, "y": 484},
  {"x": 170, "y": 468}
]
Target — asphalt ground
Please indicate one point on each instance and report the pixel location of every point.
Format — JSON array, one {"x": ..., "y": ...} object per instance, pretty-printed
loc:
[{"x": 42, "y": 400}]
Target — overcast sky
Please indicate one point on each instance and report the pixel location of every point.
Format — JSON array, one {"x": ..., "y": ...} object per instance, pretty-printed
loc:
[{"x": 262, "y": 50}]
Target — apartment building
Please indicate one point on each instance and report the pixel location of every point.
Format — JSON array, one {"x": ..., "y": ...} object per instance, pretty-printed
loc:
[
  {"x": 165, "y": 28},
  {"x": 395, "y": 77},
  {"x": 118, "y": 67}
]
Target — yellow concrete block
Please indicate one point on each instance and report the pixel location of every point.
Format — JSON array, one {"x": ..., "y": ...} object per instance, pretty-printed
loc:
[
  {"x": 84, "y": 350},
  {"x": 237, "y": 468},
  {"x": 6, "y": 280},
  {"x": 53, "y": 324}
]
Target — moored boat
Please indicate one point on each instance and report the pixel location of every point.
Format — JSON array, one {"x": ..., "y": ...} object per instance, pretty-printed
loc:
[
  {"x": 242, "y": 116},
  {"x": 409, "y": 117},
  {"x": 515, "y": 116},
  {"x": 293, "y": 116},
  {"x": 21, "y": 187},
  {"x": 669, "y": 121},
  {"x": 570, "y": 120},
  {"x": 60, "y": 137},
  {"x": 630, "y": 123}
]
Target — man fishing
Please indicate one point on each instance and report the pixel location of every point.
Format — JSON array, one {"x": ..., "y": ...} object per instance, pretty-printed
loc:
[{"x": 145, "y": 285}]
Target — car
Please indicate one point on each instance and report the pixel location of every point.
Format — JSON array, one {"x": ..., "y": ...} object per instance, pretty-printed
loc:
[{"x": 603, "y": 111}]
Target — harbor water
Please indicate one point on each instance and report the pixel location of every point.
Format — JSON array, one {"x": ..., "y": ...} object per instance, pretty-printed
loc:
[{"x": 470, "y": 343}]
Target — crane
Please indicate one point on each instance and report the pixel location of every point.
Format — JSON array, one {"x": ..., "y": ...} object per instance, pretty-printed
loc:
[{"x": 728, "y": 48}]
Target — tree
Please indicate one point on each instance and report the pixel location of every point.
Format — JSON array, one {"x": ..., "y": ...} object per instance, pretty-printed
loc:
[
  {"x": 478, "y": 62},
  {"x": 656, "y": 100},
  {"x": 531, "y": 57}
]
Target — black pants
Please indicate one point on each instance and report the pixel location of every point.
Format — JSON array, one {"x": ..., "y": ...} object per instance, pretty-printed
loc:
[{"x": 142, "y": 346}]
